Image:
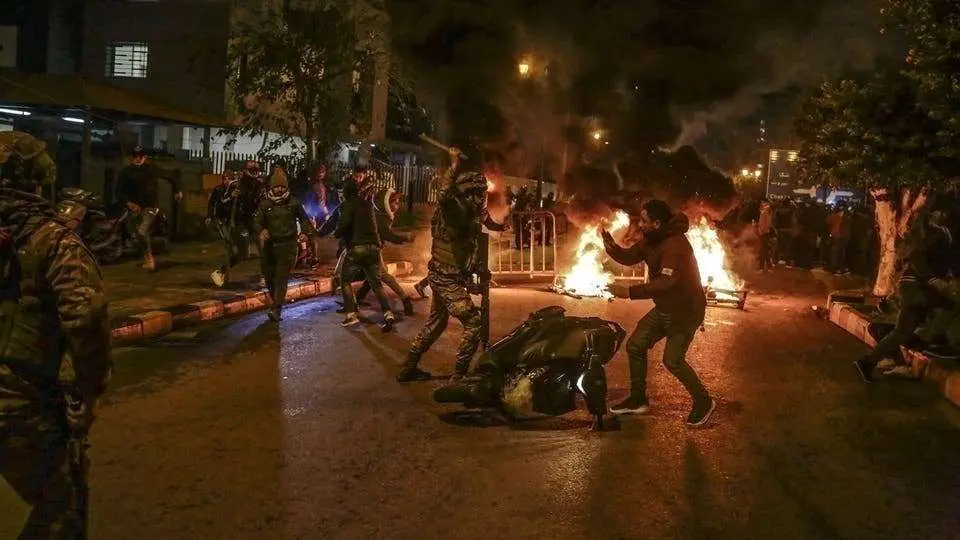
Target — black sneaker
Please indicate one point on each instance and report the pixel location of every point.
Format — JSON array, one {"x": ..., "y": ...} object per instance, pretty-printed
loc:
[
  {"x": 631, "y": 405},
  {"x": 413, "y": 374},
  {"x": 701, "y": 413},
  {"x": 865, "y": 369}
]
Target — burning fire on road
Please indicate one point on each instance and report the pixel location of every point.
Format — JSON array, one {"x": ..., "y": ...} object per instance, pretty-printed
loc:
[
  {"x": 588, "y": 278},
  {"x": 721, "y": 285}
]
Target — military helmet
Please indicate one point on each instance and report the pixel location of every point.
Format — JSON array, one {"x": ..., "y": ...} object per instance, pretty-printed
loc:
[{"x": 24, "y": 160}]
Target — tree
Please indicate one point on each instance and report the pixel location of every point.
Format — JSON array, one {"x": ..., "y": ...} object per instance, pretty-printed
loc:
[
  {"x": 875, "y": 136},
  {"x": 894, "y": 134},
  {"x": 295, "y": 69}
]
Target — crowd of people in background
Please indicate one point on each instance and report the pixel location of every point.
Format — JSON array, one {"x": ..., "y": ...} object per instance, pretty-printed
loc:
[{"x": 840, "y": 237}]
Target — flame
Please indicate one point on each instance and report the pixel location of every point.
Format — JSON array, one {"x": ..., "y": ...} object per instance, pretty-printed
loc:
[
  {"x": 587, "y": 277},
  {"x": 712, "y": 260}
]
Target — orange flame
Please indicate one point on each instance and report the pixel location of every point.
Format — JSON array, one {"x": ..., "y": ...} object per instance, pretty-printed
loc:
[
  {"x": 587, "y": 277},
  {"x": 712, "y": 259}
]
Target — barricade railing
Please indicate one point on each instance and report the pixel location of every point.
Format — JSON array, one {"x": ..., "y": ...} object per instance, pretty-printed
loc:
[{"x": 527, "y": 248}]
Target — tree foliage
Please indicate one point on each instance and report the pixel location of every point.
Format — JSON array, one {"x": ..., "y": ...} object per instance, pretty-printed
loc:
[
  {"x": 869, "y": 134},
  {"x": 900, "y": 126},
  {"x": 294, "y": 68}
]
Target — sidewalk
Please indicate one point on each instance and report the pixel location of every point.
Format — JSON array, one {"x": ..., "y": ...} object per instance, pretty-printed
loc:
[
  {"x": 851, "y": 311},
  {"x": 180, "y": 291}
]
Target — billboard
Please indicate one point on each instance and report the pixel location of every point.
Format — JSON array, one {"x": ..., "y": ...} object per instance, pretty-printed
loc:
[{"x": 782, "y": 174}]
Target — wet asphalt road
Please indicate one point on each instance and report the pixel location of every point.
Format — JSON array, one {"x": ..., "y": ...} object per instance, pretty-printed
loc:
[{"x": 243, "y": 431}]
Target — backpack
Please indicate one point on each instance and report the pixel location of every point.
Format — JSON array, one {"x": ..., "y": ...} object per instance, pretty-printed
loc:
[{"x": 30, "y": 344}]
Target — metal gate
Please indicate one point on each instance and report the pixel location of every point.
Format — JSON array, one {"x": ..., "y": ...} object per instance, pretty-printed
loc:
[{"x": 527, "y": 248}]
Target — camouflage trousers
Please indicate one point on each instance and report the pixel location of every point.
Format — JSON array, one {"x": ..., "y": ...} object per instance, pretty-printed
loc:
[
  {"x": 140, "y": 227},
  {"x": 450, "y": 297},
  {"x": 33, "y": 460}
]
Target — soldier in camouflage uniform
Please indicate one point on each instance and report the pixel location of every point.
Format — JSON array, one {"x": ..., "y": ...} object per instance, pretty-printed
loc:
[
  {"x": 55, "y": 342},
  {"x": 456, "y": 227}
]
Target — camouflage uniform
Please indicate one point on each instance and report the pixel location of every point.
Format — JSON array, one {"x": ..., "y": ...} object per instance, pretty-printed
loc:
[
  {"x": 52, "y": 308},
  {"x": 456, "y": 227}
]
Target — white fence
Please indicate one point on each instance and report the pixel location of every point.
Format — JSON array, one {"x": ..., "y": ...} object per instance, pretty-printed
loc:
[{"x": 415, "y": 182}]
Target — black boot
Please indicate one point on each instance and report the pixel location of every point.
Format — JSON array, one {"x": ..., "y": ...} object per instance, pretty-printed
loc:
[
  {"x": 407, "y": 306},
  {"x": 412, "y": 373},
  {"x": 421, "y": 289}
]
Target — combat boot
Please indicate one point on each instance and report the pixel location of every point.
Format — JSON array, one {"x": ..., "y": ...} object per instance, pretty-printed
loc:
[
  {"x": 412, "y": 373},
  {"x": 461, "y": 371},
  {"x": 421, "y": 288}
]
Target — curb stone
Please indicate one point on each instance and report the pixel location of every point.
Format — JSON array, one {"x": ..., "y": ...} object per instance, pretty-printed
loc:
[
  {"x": 945, "y": 374},
  {"x": 159, "y": 322}
]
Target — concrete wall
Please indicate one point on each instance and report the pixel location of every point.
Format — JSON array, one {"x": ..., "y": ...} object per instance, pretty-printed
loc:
[{"x": 188, "y": 48}]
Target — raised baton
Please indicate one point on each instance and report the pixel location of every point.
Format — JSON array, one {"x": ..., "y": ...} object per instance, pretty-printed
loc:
[{"x": 429, "y": 140}]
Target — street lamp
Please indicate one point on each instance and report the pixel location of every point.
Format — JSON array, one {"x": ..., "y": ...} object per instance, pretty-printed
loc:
[
  {"x": 524, "y": 68},
  {"x": 597, "y": 135}
]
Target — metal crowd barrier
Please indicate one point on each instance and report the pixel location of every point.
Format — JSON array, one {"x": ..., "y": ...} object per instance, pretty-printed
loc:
[{"x": 535, "y": 255}]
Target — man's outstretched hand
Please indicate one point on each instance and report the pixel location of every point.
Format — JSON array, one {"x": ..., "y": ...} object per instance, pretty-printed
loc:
[{"x": 608, "y": 242}]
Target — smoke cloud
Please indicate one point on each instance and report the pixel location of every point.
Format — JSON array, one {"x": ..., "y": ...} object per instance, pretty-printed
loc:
[{"x": 845, "y": 38}]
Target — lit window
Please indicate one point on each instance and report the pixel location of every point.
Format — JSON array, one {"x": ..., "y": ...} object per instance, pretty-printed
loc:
[{"x": 128, "y": 60}]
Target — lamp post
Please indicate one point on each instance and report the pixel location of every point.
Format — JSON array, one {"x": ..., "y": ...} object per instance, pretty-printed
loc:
[{"x": 524, "y": 68}]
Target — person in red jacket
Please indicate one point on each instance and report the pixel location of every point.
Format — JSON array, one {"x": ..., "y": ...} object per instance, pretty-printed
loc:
[{"x": 679, "y": 307}]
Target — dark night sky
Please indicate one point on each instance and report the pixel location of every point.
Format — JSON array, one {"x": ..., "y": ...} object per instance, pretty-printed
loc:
[{"x": 657, "y": 72}]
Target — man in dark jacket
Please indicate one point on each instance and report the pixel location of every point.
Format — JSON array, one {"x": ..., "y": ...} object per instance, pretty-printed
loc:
[
  {"x": 222, "y": 213},
  {"x": 346, "y": 189},
  {"x": 138, "y": 188},
  {"x": 357, "y": 229},
  {"x": 679, "y": 307},
  {"x": 252, "y": 188},
  {"x": 55, "y": 352},
  {"x": 388, "y": 202},
  {"x": 927, "y": 261},
  {"x": 276, "y": 222},
  {"x": 455, "y": 259}
]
